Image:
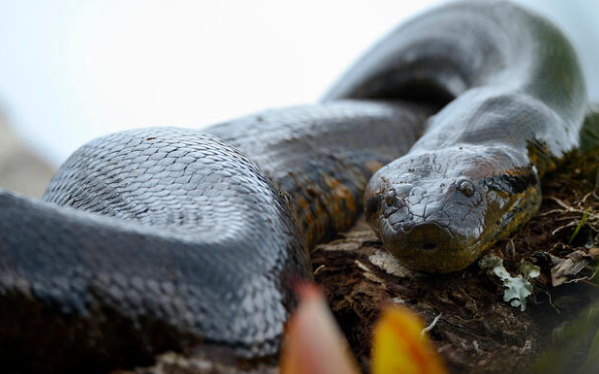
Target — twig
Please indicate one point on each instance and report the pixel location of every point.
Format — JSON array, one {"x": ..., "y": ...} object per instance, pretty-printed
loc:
[{"x": 431, "y": 326}]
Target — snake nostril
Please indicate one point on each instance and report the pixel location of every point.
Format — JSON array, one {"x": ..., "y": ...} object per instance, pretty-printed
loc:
[
  {"x": 429, "y": 246},
  {"x": 390, "y": 198},
  {"x": 372, "y": 206}
]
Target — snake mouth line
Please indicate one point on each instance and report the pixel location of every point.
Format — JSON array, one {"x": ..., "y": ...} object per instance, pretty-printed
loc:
[
  {"x": 426, "y": 245},
  {"x": 418, "y": 235}
]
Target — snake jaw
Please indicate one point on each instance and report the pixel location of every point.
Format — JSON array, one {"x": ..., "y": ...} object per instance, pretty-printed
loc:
[
  {"x": 432, "y": 244},
  {"x": 428, "y": 247}
]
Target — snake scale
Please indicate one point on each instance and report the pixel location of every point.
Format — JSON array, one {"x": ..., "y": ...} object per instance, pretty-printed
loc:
[{"x": 170, "y": 238}]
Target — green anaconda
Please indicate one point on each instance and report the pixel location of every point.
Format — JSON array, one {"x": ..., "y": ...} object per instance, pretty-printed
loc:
[
  {"x": 517, "y": 103},
  {"x": 170, "y": 238}
]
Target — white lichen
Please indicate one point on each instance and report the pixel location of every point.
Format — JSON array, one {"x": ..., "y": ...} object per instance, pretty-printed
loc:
[{"x": 518, "y": 288}]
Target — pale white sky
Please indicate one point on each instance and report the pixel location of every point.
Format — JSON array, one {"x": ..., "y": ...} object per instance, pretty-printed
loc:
[{"x": 74, "y": 70}]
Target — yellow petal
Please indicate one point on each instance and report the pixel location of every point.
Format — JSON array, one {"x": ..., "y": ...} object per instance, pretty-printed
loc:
[
  {"x": 314, "y": 344},
  {"x": 399, "y": 346}
]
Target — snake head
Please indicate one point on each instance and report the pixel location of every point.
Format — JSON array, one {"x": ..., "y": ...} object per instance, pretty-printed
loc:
[{"x": 437, "y": 211}]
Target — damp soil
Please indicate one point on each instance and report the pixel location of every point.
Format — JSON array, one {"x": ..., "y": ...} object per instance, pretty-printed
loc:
[
  {"x": 473, "y": 328},
  {"x": 476, "y": 331}
]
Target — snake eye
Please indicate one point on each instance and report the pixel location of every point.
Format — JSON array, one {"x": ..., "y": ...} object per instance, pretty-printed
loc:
[{"x": 466, "y": 188}]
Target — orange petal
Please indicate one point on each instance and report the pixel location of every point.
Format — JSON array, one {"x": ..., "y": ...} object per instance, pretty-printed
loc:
[
  {"x": 314, "y": 343},
  {"x": 399, "y": 346}
]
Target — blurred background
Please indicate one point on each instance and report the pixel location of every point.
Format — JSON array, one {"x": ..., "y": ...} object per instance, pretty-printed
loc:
[{"x": 74, "y": 70}]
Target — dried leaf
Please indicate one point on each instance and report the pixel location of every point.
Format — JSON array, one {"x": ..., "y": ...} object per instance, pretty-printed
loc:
[
  {"x": 314, "y": 344},
  {"x": 570, "y": 268}
]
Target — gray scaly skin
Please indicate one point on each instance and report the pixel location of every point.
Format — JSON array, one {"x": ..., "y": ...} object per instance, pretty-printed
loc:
[
  {"x": 517, "y": 100},
  {"x": 166, "y": 239},
  {"x": 178, "y": 239}
]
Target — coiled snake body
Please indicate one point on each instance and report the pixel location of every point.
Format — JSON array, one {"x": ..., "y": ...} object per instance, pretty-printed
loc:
[
  {"x": 518, "y": 101},
  {"x": 178, "y": 238},
  {"x": 167, "y": 238}
]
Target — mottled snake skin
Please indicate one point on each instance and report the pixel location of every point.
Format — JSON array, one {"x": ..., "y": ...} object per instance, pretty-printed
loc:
[{"x": 177, "y": 238}]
